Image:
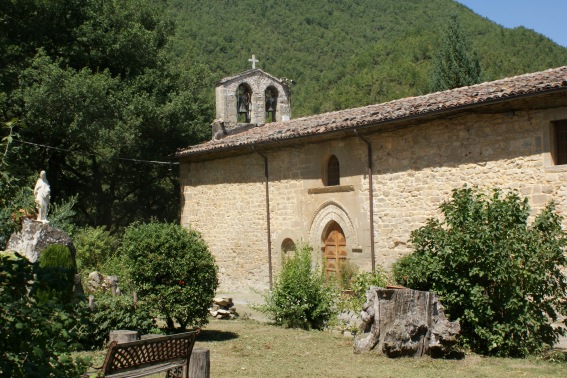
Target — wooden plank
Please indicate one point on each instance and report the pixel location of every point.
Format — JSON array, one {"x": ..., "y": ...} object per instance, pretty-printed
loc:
[{"x": 200, "y": 363}]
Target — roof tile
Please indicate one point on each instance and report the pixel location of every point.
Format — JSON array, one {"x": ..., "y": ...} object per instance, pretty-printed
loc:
[{"x": 378, "y": 113}]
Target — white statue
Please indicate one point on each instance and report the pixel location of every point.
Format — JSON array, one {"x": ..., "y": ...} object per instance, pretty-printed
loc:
[{"x": 42, "y": 193}]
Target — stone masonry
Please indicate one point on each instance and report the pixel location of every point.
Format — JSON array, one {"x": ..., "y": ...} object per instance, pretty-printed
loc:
[
  {"x": 415, "y": 169},
  {"x": 497, "y": 134}
]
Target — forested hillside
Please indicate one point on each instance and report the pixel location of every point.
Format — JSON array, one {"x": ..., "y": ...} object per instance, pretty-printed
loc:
[
  {"x": 347, "y": 53},
  {"x": 95, "y": 91}
]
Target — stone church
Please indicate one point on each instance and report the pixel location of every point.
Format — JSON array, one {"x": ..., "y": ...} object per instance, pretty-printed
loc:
[{"x": 354, "y": 183}]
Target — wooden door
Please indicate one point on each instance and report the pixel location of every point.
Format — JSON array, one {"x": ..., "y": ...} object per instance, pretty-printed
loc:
[{"x": 334, "y": 251}]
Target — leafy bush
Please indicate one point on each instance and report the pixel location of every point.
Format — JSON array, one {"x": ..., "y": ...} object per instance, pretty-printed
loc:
[
  {"x": 95, "y": 247},
  {"x": 61, "y": 215},
  {"x": 347, "y": 273},
  {"x": 119, "y": 265},
  {"x": 34, "y": 338},
  {"x": 500, "y": 277},
  {"x": 301, "y": 296},
  {"x": 112, "y": 313},
  {"x": 173, "y": 271},
  {"x": 14, "y": 205},
  {"x": 56, "y": 274},
  {"x": 360, "y": 283}
]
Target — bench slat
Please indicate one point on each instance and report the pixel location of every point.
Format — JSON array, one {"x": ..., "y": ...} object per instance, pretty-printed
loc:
[{"x": 134, "y": 373}]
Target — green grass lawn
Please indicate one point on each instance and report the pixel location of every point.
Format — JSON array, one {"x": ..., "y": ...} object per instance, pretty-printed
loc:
[{"x": 247, "y": 348}]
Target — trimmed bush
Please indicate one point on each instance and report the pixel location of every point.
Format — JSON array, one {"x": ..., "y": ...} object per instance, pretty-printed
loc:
[
  {"x": 301, "y": 296},
  {"x": 500, "y": 277},
  {"x": 56, "y": 274},
  {"x": 172, "y": 270}
]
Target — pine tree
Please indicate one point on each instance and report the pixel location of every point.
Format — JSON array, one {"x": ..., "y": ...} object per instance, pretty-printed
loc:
[{"x": 456, "y": 63}]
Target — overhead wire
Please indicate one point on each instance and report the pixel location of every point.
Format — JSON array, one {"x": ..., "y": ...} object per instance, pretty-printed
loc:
[{"x": 94, "y": 154}]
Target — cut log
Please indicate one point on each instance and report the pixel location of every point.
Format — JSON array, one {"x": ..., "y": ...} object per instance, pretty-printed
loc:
[
  {"x": 200, "y": 364},
  {"x": 405, "y": 322}
]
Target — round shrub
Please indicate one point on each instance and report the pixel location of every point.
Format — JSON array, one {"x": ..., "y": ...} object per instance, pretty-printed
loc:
[
  {"x": 172, "y": 270},
  {"x": 500, "y": 277}
]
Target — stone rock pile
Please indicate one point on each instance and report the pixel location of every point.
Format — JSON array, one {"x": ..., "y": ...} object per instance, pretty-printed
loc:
[
  {"x": 223, "y": 308},
  {"x": 99, "y": 281}
]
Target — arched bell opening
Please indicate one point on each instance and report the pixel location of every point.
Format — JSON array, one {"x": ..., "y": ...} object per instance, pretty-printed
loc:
[
  {"x": 243, "y": 106},
  {"x": 271, "y": 100}
]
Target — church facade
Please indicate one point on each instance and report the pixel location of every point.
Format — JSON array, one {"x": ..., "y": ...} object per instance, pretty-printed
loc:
[{"x": 354, "y": 183}]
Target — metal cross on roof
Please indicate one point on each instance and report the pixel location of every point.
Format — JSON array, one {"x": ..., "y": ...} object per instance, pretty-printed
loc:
[{"x": 254, "y": 61}]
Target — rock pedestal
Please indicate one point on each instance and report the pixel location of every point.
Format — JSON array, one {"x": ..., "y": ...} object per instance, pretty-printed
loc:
[
  {"x": 35, "y": 237},
  {"x": 405, "y": 322}
]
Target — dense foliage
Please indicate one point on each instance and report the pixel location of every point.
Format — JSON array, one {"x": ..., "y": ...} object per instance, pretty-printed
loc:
[
  {"x": 348, "y": 53},
  {"x": 456, "y": 63},
  {"x": 55, "y": 274},
  {"x": 173, "y": 271},
  {"x": 500, "y": 277},
  {"x": 119, "y": 312},
  {"x": 35, "y": 339},
  {"x": 94, "y": 80},
  {"x": 301, "y": 296},
  {"x": 95, "y": 248}
]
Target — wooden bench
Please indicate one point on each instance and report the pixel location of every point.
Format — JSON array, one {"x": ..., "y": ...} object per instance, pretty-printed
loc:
[{"x": 150, "y": 356}]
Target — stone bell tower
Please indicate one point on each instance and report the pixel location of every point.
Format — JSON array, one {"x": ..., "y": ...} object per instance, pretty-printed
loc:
[{"x": 250, "y": 99}]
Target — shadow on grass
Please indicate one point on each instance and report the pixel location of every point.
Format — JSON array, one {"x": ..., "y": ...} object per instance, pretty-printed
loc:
[{"x": 213, "y": 335}]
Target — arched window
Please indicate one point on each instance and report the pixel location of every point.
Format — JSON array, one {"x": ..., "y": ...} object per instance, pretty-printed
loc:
[
  {"x": 333, "y": 171},
  {"x": 243, "y": 104},
  {"x": 288, "y": 246},
  {"x": 271, "y": 95}
]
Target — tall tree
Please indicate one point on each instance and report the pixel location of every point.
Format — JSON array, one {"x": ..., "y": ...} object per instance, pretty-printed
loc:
[
  {"x": 456, "y": 63},
  {"x": 96, "y": 83}
]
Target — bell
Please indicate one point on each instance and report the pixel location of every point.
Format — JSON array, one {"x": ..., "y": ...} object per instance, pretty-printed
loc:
[
  {"x": 242, "y": 108},
  {"x": 270, "y": 105}
]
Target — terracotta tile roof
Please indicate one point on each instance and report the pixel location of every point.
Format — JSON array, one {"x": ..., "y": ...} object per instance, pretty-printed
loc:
[{"x": 509, "y": 88}]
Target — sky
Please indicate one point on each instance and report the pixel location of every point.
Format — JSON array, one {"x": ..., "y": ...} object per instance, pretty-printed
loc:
[{"x": 547, "y": 17}]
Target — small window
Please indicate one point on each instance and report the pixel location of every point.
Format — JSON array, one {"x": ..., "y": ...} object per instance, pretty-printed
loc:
[
  {"x": 288, "y": 246},
  {"x": 333, "y": 171},
  {"x": 559, "y": 146}
]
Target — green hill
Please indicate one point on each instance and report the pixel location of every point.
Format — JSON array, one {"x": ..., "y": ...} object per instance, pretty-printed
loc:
[{"x": 347, "y": 53}]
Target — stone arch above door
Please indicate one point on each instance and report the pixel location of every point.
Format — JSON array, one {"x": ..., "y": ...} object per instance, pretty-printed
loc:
[{"x": 323, "y": 217}]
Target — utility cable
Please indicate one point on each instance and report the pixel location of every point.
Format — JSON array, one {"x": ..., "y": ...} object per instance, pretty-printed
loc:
[{"x": 93, "y": 154}]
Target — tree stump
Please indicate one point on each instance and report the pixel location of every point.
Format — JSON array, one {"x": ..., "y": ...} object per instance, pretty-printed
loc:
[
  {"x": 405, "y": 322},
  {"x": 122, "y": 336},
  {"x": 200, "y": 364}
]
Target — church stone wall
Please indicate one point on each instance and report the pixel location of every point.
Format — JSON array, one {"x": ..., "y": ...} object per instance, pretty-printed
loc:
[
  {"x": 415, "y": 170},
  {"x": 227, "y": 206}
]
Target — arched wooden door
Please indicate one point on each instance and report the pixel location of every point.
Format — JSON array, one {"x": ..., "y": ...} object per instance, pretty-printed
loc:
[{"x": 334, "y": 251}]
